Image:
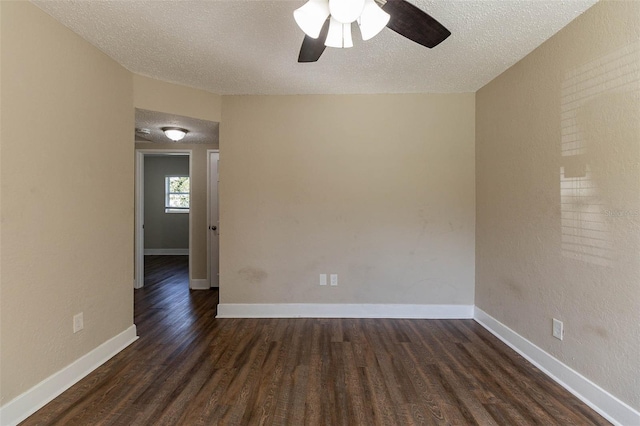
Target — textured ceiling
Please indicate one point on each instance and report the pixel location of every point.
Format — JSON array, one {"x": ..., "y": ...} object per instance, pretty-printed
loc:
[
  {"x": 200, "y": 131},
  {"x": 251, "y": 47}
]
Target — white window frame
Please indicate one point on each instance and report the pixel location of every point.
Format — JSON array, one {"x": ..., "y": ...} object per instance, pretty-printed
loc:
[{"x": 167, "y": 195}]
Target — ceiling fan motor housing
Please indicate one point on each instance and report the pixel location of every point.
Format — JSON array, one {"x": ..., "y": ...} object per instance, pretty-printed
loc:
[{"x": 346, "y": 11}]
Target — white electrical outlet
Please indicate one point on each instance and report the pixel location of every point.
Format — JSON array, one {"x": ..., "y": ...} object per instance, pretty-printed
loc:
[
  {"x": 558, "y": 329},
  {"x": 323, "y": 279},
  {"x": 78, "y": 322},
  {"x": 334, "y": 279}
]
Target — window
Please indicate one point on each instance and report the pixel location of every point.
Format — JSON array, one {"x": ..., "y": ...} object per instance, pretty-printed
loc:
[{"x": 176, "y": 192}]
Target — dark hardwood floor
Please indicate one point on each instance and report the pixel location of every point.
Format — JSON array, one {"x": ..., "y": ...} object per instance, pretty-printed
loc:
[{"x": 189, "y": 368}]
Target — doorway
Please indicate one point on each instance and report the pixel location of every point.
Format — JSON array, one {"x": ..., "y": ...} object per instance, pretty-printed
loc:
[{"x": 141, "y": 156}]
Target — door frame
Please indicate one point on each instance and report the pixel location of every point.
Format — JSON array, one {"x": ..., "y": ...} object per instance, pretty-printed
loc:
[
  {"x": 209, "y": 152},
  {"x": 138, "y": 260}
]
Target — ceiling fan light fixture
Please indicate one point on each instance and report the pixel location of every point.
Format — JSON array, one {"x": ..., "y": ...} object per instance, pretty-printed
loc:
[
  {"x": 346, "y": 11},
  {"x": 372, "y": 16},
  {"x": 372, "y": 20},
  {"x": 311, "y": 16},
  {"x": 339, "y": 35},
  {"x": 175, "y": 133}
]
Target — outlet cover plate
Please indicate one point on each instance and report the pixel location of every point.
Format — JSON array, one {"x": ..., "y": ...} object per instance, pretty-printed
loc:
[
  {"x": 334, "y": 279},
  {"x": 78, "y": 322},
  {"x": 323, "y": 279},
  {"x": 558, "y": 329}
]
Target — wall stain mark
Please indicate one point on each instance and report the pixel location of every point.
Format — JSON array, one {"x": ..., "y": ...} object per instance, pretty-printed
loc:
[{"x": 253, "y": 275}]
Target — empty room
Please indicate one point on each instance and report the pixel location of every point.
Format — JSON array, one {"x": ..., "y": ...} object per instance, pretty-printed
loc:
[{"x": 328, "y": 212}]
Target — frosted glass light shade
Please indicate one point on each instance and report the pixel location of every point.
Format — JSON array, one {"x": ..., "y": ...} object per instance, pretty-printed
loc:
[
  {"x": 311, "y": 17},
  {"x": 372, "y": 20},
  {"x": 339, "y": 35},
  {"x": 346, "y": 11},
  {"x": 174, "y": 133}
]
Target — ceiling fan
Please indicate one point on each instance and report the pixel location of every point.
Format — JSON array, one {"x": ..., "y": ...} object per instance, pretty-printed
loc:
[{"x": 328, "y": 23}]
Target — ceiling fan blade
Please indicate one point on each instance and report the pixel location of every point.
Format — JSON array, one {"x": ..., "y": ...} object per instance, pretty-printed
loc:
[
  {"x": 414, "y": 24},
  {"x": 312, "y": 48}
]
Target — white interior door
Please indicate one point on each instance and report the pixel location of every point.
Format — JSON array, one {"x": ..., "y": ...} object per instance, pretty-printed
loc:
[{"x": 214, "y": 222}]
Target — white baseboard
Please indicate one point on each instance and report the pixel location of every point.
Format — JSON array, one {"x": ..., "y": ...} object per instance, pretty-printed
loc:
[
  {"x": 199, "y": 284},
  {"x": 317, "y": 310},
  {"x": 41, "y": 394},
  {"x": 167, "y": 252},
  {"x": 607, "y": 405}
]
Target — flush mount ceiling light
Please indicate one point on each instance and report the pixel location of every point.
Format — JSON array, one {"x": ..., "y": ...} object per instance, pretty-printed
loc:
[
  {"x": 341, "y": 14},
  {"x": 328, "y": 23},
  {"x": 175, "y": 133}
]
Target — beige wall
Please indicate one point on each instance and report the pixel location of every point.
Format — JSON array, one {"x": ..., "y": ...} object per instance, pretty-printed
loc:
[
  {"x": 156, "y": 95},
  {"x": 67, "y": 167},
  {"x": 378, "y": 189},
  {"x": 558, "y": 187},
  {"x": 198, "y": 201}
]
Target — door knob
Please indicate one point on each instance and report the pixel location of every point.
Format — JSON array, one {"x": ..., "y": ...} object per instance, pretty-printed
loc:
[{"x": 213, "y": 228}]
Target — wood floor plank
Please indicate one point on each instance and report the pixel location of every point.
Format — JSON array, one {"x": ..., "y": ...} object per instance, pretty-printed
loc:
[
  {"x": 360, "y": 411},
  {"x": 313, "y": 409},
  {"x": 189, "y": 368},
  {"x": 427, "y": 411}
]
